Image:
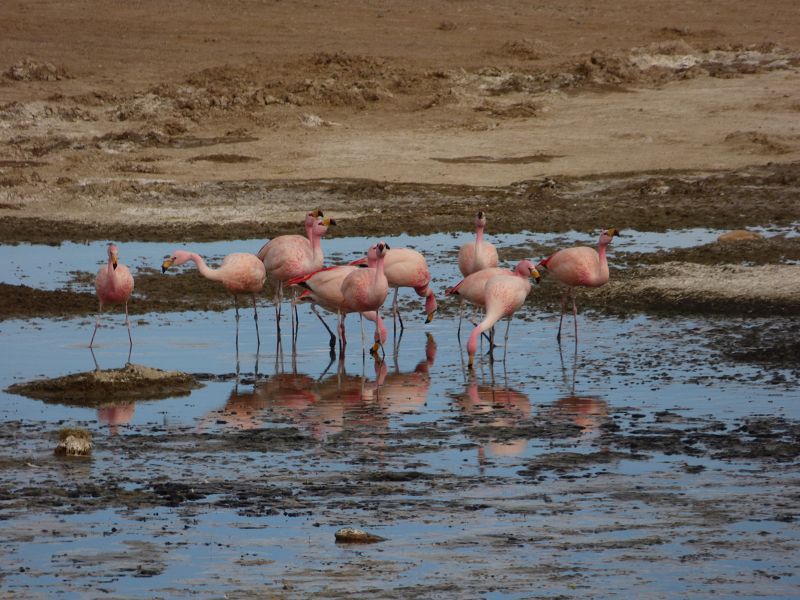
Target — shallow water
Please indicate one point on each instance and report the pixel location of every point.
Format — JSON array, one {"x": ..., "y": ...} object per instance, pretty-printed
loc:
[
  {"x": 51, "y": 267},
  {"x": 467, "y": 521}
]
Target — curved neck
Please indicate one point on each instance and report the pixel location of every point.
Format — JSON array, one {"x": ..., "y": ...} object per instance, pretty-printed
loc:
[{"x": 204, "y": 269}]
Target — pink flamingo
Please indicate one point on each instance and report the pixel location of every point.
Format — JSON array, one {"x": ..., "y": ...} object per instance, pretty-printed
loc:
[
  {"x": 324, "y": 287},
  {"x": 503, "y": 296},
  {"x": 289, "y": 256},
  {"x": 364, "y": 289},
  {"x": 479, "y": 254},
  {"x": 240, "y": 273},
  {"x": 405, "y": 267},
  {"x": 113, "y": 284},
  {"x": 473, "y": 287},
  {"x": 576, "y": 266}
]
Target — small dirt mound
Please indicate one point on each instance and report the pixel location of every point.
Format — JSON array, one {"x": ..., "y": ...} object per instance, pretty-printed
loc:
[
  {"x": 98, "y": 388},
  {"x": 29, "y": 69}
]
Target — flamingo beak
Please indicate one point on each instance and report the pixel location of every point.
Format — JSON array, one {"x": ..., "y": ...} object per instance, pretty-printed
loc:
[
  {"x": 329, "y": 222},
  {"x": 430, "y": 317},
  {"x": 536, "y": 276},
  {"x": 114, "y": 261},
  {"x": 317, "y": 213},
  {"x": 471, "y": 361},
  {"x": 166, "y": 265},
  {"x": 613, "y": 231}
]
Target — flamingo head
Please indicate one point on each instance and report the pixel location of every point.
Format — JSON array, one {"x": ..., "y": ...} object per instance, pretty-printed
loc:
[
  {"x": 113, "y": 254},
  {"x": 312, "y": 216},
  {"x": 430, "y": 307},
  {"x": 480, "y": 220},
  {"x": 176, "y": 258},
  {"x": 320, "y": 227},
  {"x": 377, "y": 251},
  {"x": 526, "y": 268},
  {"x": 607, "y": 235}
]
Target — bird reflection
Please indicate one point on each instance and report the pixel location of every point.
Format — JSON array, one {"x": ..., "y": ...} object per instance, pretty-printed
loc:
[
  {"x": 335, "y": 403},
  {"x": 587, "y": 412},
  {"x": 407, "y": 392},
  {"x": 115, "y": 415},
  {"x": 496, "y": 407}
]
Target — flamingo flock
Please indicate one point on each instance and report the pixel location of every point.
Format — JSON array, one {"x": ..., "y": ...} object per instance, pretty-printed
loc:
[{"x": 294, "y": 263}]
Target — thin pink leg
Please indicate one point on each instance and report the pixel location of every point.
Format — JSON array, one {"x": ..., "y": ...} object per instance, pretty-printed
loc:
[{"x": 128, "y": 323}]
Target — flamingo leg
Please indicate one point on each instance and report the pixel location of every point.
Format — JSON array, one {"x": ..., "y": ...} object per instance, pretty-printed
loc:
[
  {"x": 574, "y": 315},
  {"x": 96, "y": 324},
  {"x": 94, "y": 358},
  {"x": 236, "y": 309},
  {"x": 399, "y": 316},
  {"x": 128, "y": 323},
  {"x": 460, "y": 317},
  {"x": 278, "y": 299},
  {"x": 505, "y": 343},
  {"x": 342, "y": 336},
  {"x": 319, "y": 316},
  {"x": 296, "y": 322},
  {"x": 563, "y": 308},
  {"x": 255, "y": 318}
]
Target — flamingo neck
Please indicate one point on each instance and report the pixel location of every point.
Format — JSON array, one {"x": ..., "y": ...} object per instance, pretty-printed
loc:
[
  {"x": 112, "y": 273},
  {"x": 602, "y": 262},
  {"x": 316, "y": 244},
  {"x": 479, "y": 235},
  {"x": 379, "y": 270},
  {"x": 204, "y": 269},
  {"x": 601, "y": 253}
]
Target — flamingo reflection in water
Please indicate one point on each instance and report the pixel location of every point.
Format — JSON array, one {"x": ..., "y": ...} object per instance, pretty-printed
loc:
[
  {"x": 115, "y": 415},
  {"x": 400, "y": 392},
  {"x": 498, "y": 407},
  {"x": 587, "y": 412}
]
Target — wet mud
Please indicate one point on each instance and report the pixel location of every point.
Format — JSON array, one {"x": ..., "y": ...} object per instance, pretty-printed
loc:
[{"x": 755, "y": 196}]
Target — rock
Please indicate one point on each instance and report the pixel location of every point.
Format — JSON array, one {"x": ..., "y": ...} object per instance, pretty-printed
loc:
[
  {"x": 738, "y": 235},
  {"x": 351, "y": 535},
  {"x": 74, "y": 442}
]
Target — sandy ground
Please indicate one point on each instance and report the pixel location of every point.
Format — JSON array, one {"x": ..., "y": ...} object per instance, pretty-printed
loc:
[{"x": 196, "y": 115}]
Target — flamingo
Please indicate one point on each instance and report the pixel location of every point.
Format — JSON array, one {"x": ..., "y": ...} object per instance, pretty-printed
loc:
[
  {"x": 113, "y": 284},
  {"x": 503, "y": 296},
  {"x": 240, "y": 273},
  {"x": 324, "y": 287},
  {"x": 289, "y": 256},
  {"x": 477, "y": 255},
  {"x": 364, "y": 289},
  {"x": 473, "y": 287},
  {"x": 405, "y": 267},
  {"x": 579, "y": 266}
]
